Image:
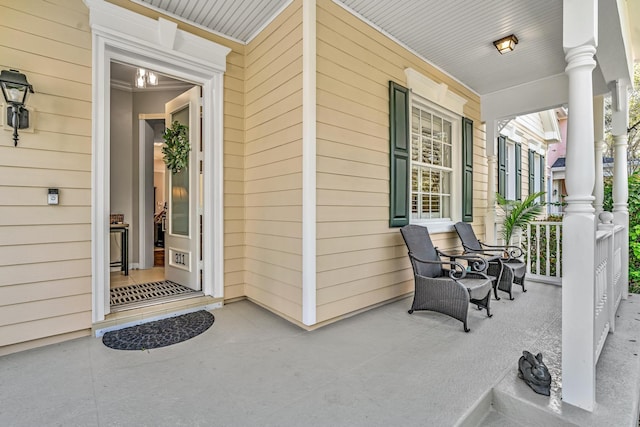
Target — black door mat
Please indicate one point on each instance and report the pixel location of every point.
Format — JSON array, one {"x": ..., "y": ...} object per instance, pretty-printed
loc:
[
  {"x": 133, "y": 296},
  {"x": 159, "y": 333}
]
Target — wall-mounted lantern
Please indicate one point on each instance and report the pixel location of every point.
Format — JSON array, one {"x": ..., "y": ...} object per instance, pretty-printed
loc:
[{"x": 15, "y": 88}]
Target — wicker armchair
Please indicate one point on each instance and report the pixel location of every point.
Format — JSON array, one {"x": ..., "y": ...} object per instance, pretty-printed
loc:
[
  {"x": 444, "y": 286},
  {"x": 504, "y": 261}
]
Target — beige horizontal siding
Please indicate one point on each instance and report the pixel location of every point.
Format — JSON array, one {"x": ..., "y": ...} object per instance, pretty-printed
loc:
[
  {"x": 45, "y": 251},
  {"x": 273, "y": 165},
  {"x": 360, "y": 260}
]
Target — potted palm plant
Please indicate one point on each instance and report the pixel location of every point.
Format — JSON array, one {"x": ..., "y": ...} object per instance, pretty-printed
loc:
[{"x": 519, "y": 213}]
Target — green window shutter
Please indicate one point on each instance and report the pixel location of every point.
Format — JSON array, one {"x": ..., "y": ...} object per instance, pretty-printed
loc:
[
  {"x": 467, "y": 170},
  {"x": 518, "y": 159},
  {"x": 399, "y": 155},
  {"x": 502, "y": 166},
  {"x": 542, "y": 177},
  {"x": 532, "y": 172}
]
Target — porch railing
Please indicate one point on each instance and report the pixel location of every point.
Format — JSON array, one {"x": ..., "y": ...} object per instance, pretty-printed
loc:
[
  {"x": 544, "y": 251},
  {"x": 543, "y": 245}
]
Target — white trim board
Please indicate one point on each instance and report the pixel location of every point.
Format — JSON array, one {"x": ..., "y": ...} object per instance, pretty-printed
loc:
[
  {"x": 124, "y": 36},
  {"x": 309, "y": 162}
]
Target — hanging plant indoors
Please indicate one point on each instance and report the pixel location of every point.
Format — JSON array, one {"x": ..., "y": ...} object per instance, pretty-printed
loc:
[{"x": 176, "y": 147}]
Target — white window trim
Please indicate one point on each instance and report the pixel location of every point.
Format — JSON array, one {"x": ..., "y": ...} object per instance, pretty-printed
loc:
[
  {"x": 441, "y": 225},
  {"x": 440, "y": 98}
]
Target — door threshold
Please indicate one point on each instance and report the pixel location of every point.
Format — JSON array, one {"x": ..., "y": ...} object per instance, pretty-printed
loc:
[
  {"x": 145, "y": 294},
  {"x": 136, "y": 316},
  {"x": 156, "y": 301}
]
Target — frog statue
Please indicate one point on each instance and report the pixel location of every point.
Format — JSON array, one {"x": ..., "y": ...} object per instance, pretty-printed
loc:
[{"x": 535, "y": 373}]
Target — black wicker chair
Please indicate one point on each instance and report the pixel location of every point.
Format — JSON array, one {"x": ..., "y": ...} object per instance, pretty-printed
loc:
[
  {"x": 504, "y": 261},
  {"x": 444, "y": 286}
]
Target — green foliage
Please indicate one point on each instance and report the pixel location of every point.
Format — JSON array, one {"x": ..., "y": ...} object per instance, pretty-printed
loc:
[
  {"x": 545, "y": 244},
  {"x": 176, "y": 148},
  {"x": 519, "y": 213},
  {"x": 634, "y": 226}
]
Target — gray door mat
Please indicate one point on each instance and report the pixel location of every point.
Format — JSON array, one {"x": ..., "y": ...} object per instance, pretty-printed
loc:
[{"x": 145, "y": 294}]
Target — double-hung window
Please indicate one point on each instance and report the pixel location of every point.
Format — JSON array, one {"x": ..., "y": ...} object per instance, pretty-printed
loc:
[
  {"x": 433, "y": 164},
  {"x": 431, "y": 155}
]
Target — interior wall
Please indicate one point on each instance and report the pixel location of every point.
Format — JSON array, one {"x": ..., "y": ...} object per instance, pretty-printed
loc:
[
  {"x": 143, "y": 102},
  {"x": 120, "y": 177}
]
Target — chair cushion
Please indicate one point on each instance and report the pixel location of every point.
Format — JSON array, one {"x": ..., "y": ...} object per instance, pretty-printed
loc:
[
  {"x": 518, "y": 267},
  {"x": 478, "y": 288}
]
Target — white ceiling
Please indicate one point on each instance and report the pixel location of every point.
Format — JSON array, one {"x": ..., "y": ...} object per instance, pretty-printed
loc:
[{"x": 454, "y": 35}]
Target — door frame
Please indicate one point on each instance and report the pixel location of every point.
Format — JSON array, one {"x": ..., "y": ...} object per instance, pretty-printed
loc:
[{"x": 124, "y": 36}]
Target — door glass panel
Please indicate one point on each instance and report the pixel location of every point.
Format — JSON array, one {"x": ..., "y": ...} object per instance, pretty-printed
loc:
[{"x": 180, "y": 189}]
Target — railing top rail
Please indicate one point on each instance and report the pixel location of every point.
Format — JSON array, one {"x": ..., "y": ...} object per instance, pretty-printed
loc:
[
  {"x": 603, "y": 234},
  {"x": 545, "y": 223}
]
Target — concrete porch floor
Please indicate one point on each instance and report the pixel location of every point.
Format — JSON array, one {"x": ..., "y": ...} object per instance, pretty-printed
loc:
[{"x": 383, "y": 367}]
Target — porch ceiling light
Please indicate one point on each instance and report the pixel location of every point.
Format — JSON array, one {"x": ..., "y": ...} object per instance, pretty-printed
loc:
[
  {"x": 506, "y": 44},
  {"x": 15, "y": 88}
]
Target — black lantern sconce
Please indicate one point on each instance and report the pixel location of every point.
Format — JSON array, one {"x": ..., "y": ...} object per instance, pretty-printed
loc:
[{"x": 15, "y": 88}]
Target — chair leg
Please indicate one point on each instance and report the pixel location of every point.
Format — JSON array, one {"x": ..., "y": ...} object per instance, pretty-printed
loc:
[
  {"x": 495, "y": 290},
  {"x": 410, "y": 312},
  {"x": 465, "y": 327}
]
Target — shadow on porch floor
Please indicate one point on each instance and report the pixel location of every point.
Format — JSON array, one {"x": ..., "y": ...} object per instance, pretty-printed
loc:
[{"x": 380, "y": 368}]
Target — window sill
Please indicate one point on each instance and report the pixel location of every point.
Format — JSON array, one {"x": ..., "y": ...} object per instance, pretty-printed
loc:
[{"x": 435, "y": 227}]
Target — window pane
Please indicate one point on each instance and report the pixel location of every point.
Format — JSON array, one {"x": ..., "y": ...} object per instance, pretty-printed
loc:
[
  {"x": 414, "y": 178},
  {"x": 435, "y": 206},
  {"x": 435, "y": 181},
  {"x": 415, "y": 120},
  {"x": 437, "y": 153},
  {"x": 446, "y": 184},
  {"x": 446, "y": 155},
  {"x": 437, "y": 128},
  {"x": 415, "y": 147},
  {"x": 446, "y": 202},
  {"x": 425, "y": 123},
  {"x": 425, "y": 207},
  {"x": 414, "y": 205},
  {"x": 426, "y": 150},
  {"x": 446, "y": 132}
]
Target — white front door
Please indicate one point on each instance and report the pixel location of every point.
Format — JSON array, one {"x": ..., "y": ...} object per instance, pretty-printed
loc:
[{"x": 183, "y": 196}]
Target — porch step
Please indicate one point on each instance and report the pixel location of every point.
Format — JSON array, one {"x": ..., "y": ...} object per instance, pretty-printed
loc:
[{"x": 513, "y": 403}]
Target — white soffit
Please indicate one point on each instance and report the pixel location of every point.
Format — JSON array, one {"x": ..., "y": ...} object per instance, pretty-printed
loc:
[
  {"x": 457, "y": 36},
  {"x": 239, "y": 20}
]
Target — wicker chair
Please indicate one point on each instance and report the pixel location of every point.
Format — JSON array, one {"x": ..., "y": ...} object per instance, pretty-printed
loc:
[
  {"x": 504, "y": 261},
  {"x": 444, "y": 286}
]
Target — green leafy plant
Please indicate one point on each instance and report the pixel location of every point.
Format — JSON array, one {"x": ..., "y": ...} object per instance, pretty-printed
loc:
[
  {"x": 176, "y": 147},
  {"x": 634, "y": 225},
  {"x": 519, "y": 213}
]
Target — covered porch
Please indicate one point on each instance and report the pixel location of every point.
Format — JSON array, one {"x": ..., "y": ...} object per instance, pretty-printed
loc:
[{"x": 379, "y": 368}]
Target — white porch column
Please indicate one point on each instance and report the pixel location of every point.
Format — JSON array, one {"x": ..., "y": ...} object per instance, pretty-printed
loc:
[
  {"x": 598, "y": 149},
  {"x": 619, "y": 125},
  {"x": 579, "y": 223},
  {"x": 492, "y": 164}
]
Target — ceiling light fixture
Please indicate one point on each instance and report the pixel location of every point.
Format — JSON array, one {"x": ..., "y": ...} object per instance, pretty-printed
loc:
[
  {"x": 145, "y": 77},
  {"x": 506, "y": 44}
]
